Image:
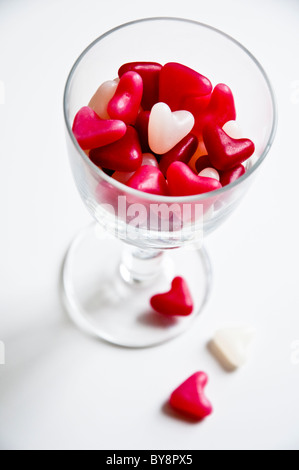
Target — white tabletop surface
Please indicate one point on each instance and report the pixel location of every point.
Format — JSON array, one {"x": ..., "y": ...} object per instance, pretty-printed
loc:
[{"x": 59, "y": 389}]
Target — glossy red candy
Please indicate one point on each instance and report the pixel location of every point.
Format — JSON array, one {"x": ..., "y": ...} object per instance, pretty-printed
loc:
[
  {"x": 189, "y": 398},
  {"x": 149, "y": 179},
  {"x": 225, "y": 152},
  {"x": 178, "y": 81},
  {"x": 182, "y": 152},
  {"x": 141, "y": 125},
  {"x": 178, "y": 301},
  {"x": 203, "y": 163},
  {"x": 123, "y": 155},
  {"x": 229, "y": 176},
  {"x": 150, "y": 74},
  {"x": 183, "y": 182},
  {"x": 125, "y": 103},
  {"x": 92, "y": 131},
  {"x": 219, "y": 108}
]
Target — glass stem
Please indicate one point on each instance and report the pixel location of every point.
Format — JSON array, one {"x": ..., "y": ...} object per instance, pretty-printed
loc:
[{"x": 140, "y": 266}]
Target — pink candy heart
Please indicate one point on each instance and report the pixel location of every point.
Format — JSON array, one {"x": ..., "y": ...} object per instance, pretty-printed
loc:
[
  {"x": 178, "y": 301},
  {"x": 178, "y": 81},
  {"x": 225, "y": 152},
  {"x": 150, "y": 74},
  {"x": 92, "y": 132},
  {"x": 189, "y": 397},
  {"x": 182, "y": 152},
  {"x": 126, "y": 101},
  {"x": 149, "y": 179},
  {"x": 123, "y": 155},
  {"x": 183, "y": 182}
]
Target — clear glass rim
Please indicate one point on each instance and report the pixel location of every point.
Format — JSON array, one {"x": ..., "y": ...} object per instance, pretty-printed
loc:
[{"x": 166, "y": 199}]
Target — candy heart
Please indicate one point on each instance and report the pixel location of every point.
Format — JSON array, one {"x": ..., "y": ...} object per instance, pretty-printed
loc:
[
  {"x": 149, "y": 179},
  {"x": 219, "y": 109},
  {"x": 178, "y": 301},
  {"x": 141, "y": 125},
  {"x": 210, "y": 173},
  {"x": 177, "y": 81},
  {"x": 102, "y": 96},
  {"x": 189, "y": 397},
  {"x": 166, "y": 129},
  {"x": 231, "y": 345},
  {"x": 91, "y": 131},
  {"x": 182, "y": 152},
  {"x": 225, "y": 152},
  {"x": 233, "y": 129},
  {"x": 126, "y": 101},
  {"x": 229, "y": 176},
  {"x": 123, "y": 155},
  {"x": 147, "y": 159},
  {"x": 150, "y": 74},
  {"x": 183, "y": 182},
  {"x": 202, "y": 163}
]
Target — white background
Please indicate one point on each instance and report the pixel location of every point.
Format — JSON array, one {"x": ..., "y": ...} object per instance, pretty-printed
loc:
[{"x": 62, "y": 390}]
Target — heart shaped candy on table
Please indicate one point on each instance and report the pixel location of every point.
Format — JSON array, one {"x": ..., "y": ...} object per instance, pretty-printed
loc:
[
  {"x": 177, "y": 81},
  {"x": 102, "y": 96},
  {"x": 231, "y": 345},
  {"x": 92, "y": 132},
  {"x": 178, "y": 301},
  {"x": 189, "y": 398},
  {"x": 219, "y": 109},
  {"x": 150, "y": 74},
  {"x": 182, "y": 152},
  {"x": 123, "y": 155},
  {"x": 183, "y": 182},
  {"x": 166, "y": 128},
  {"x": 229, "y": 176},
  {"x": 149, "y": 179},
  {"x": 225, "y": 152},
  {"x": 126, "y": 101}
]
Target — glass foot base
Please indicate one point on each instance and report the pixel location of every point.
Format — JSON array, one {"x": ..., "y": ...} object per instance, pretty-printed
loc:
[{"x": 103, "y": 304}]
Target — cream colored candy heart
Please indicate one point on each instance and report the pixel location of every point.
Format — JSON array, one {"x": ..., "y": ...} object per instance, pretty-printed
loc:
[
  {"x": 166, "y": 129},
  {"x": 102, "y": 96},
  {"x": 231, "y": 345},
  {"x": 233, "y": 129},
  {"x": 210, "y": 173}
]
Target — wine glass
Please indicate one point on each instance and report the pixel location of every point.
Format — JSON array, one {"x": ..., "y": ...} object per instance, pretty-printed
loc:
[{"x": 140, "y": 241}]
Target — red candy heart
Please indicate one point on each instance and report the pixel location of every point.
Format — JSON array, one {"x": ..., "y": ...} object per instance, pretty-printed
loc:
[
  {"x": 178, "y": 81},
  {"x": 150, "y": 74},
  {"x": 125, "y": 103},
  {"x": 123, "y": 155},
  {"x": 218, "y": 108},
  {"x": 178, "y": 301},
  {"x": 229, "y": 176},
  {"x": 149, "y": 179},
  {"x": 183, "y": 182},
  {"x": 92, "y": 132},
  {"x": 141, "y": 125},
  {"x": 189, "y": 397},
  {"x": 182, "y": 152},
  {"x": 203, "y": 163},
  {"x": 225, "y": 152}
]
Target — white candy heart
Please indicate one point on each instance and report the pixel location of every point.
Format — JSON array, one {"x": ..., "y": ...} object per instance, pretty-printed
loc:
[
  {"x": 102, "y": 96},
  {"x": 166, "y": 129},
  {"x": 210, "y": 173},
  {"x": 233, "y": 129},
  {"x": 231, "y": 345}
]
